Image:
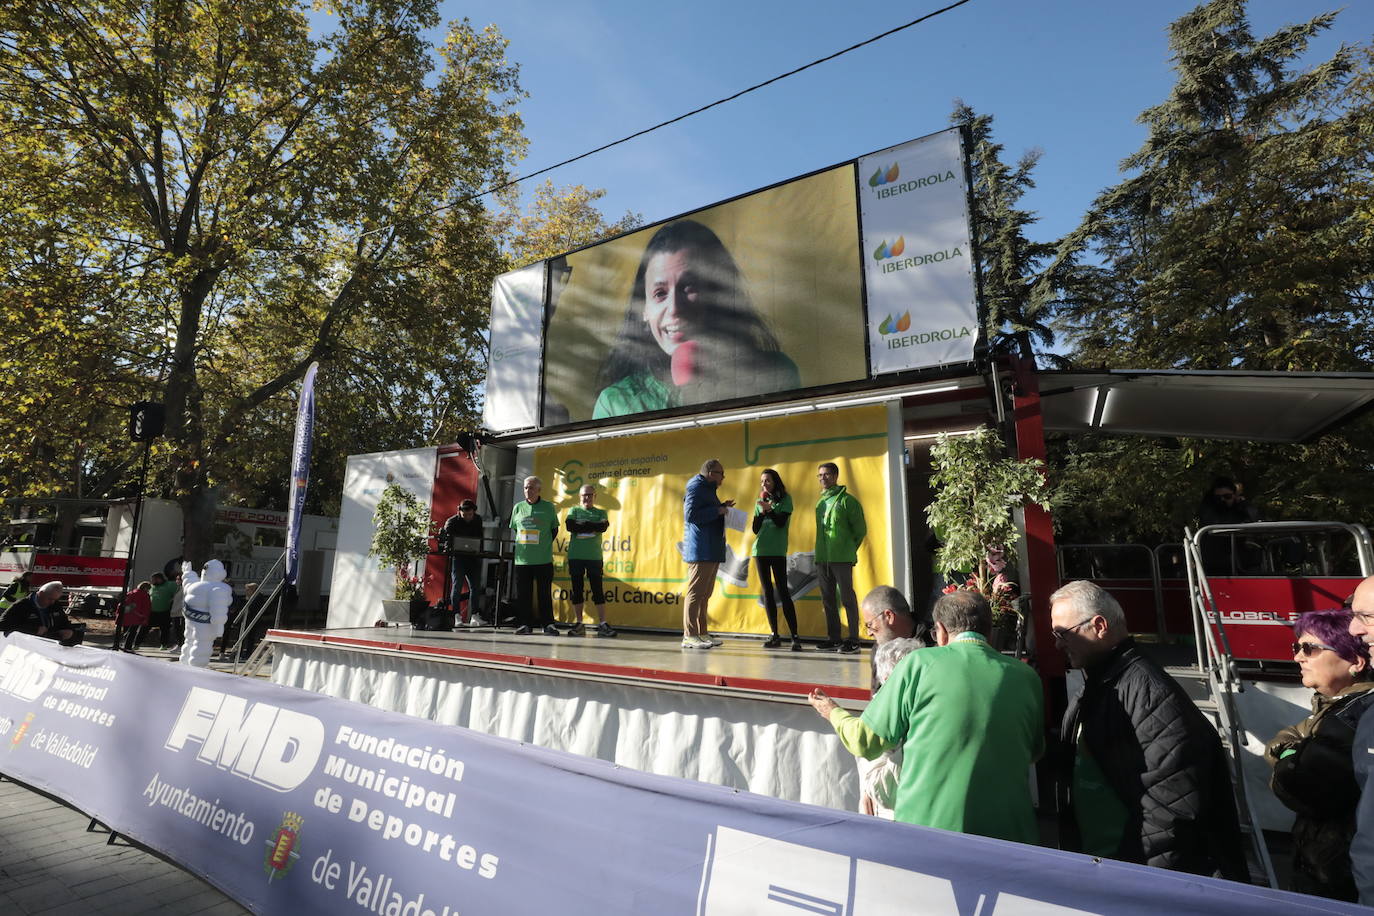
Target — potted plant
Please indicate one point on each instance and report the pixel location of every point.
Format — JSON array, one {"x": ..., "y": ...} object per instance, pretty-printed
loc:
[
  {"x": 401, "y": 542},
  {"x": 976, "y": 488}
]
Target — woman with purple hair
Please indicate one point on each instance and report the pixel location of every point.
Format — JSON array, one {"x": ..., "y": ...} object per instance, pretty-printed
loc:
[{"x": 1313, "y": 773}]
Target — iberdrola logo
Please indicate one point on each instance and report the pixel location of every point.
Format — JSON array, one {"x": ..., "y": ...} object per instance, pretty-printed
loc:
[
  {"x": 880, "y": 178},
  {"x": 281, "y": 848},
  {"x": 883, "y": 251},
  {"x": 895, "y": 327}
]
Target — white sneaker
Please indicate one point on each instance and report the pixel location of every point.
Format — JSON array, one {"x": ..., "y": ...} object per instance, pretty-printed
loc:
[
  {"x": 711, "y": 639},
  {"x": 696, "y": 642}
]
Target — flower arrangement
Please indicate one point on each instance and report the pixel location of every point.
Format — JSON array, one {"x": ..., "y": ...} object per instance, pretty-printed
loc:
[
  {"x": 976, "y": 488},
  {"x": 1001, "y": 592},
  {"x": 410, "y": 587}
]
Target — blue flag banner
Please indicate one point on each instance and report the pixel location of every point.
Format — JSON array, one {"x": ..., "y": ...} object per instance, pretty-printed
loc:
[
  {"x": 300, "y": 472},
  {"x": 293, "y": 802}
]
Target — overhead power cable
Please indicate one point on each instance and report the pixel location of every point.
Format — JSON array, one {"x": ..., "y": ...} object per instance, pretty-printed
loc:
[{"x": 696, "y": 111}]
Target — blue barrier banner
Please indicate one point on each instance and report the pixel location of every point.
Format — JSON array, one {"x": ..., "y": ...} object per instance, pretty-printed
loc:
[
  {"x": 293, "y": 802},
  {"x": 300, "y": 473}
]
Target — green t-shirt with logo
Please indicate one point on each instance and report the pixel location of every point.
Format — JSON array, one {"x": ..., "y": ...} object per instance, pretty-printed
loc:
[
  {"x": 1101, "y": 816},
  {"x": 585, "y": 545},
  {"x": 771, "y": 540},
  {"x": 535, "y": 525}
]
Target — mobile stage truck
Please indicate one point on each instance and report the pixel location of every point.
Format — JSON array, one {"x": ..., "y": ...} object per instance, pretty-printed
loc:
[{"x": 833, "y": 317}]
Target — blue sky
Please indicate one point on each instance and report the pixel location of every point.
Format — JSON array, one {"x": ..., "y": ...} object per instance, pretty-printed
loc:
[{"x": 1067, "y": 76}]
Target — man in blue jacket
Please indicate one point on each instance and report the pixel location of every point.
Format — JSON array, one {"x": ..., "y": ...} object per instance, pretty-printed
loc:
[{"x": 703, "y": 547}]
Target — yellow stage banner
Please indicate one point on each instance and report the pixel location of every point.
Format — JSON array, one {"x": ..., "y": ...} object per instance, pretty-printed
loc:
[{"x": 640, "y": 481}]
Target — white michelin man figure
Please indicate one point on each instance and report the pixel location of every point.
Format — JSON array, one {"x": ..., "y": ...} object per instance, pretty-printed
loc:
[{"x": 207, "y": 608}]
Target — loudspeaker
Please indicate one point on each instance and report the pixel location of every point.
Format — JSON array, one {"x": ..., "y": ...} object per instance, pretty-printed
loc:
[{"x": 146, "y": 421}]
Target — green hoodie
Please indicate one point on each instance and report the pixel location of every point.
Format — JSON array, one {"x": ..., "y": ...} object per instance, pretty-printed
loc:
[{"x": 840, "y": 527}]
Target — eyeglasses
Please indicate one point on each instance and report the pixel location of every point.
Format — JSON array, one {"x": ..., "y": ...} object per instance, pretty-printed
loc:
[
  {"x": 1061, "y": 635},
  {"x": 1365, "y": 617},
  {"x": 1309, "y": 649},
  {"x": 871, "y": 623}
]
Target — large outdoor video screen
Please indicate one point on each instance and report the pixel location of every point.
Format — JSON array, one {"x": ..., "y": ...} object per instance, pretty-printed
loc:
[
  {"x": 758, "y": 295},
  {"x": 853, "y": 272}
]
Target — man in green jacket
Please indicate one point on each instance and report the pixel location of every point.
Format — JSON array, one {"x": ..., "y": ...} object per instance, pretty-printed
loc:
[
  {"x": 970, "y": 722},
  {"x": 840, "y": 529}
]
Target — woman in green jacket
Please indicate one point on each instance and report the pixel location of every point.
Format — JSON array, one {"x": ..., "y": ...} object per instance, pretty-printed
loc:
[{"x": 771, "y": 514}]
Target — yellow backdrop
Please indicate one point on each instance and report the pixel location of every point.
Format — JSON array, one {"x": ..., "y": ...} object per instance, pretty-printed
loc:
[{"x": 640, "y": 481}]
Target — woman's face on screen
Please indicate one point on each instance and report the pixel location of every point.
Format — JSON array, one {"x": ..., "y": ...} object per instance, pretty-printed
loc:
[{"x": 672, "y": 286}]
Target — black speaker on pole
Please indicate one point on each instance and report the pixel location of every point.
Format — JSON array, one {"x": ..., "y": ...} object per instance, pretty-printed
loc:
[{"x": 146, "y": 421}]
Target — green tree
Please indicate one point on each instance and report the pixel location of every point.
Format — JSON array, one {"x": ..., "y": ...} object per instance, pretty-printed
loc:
[
  {"x": 976, "y": 489},
  {"x": 401, "y": 539},
  {"x": 1242, "y": 238},
  {"x": 1019, "y": 300},
  {"x": 223, "y": 192},
  {"x": 560, "y": 220}
]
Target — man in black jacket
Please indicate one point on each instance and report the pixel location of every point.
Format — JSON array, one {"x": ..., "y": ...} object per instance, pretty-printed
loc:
[
  {"x": 1142, "y": 772},
  {"x": 465, "y": 567},
  {"x": 38, "y": 614}
]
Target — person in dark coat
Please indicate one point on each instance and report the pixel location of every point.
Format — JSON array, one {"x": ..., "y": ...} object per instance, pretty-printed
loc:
[
  {"x": 1314, "y": 771},
  {"x": 1143, "y": 777},
  {"x": 465, "y": 566},
  {"x": 38, "y": 614},
  {"x": 1225, "y": 555}
]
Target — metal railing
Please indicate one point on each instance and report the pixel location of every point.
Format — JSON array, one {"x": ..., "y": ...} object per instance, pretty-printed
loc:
[
  {"x": 1151, "y": 565},
  {"x": 276, "y": 572}
]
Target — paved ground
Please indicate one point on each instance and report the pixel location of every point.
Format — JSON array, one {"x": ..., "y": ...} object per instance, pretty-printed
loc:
[{"x": 51, "y": 864}]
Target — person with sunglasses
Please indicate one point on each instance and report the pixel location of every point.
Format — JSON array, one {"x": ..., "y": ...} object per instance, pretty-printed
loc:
[
  {"x": 1142, "y": 776},
  {"x": 1313, "y": 767}
]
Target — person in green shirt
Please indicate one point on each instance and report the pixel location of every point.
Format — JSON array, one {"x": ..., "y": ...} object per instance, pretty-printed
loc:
[
  {"x": 970, "y": 723},
  {"x": 586, "y": 524},
  {"x": 535, "y": 523},
  {"x": 161, "y": 598},
  {"x": 840, "y": 529},
  {"x": 771, "y": 514}
]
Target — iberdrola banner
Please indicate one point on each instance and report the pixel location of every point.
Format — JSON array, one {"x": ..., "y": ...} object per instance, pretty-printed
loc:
[
  {"x": 918, "y": 259},
  {"x": 640, "y": 481}
]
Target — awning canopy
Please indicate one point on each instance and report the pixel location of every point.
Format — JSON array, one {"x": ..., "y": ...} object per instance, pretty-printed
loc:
[{"x": 1257, "y": 406}]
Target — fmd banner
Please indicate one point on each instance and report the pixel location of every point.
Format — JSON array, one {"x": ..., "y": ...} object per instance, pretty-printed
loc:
[
  {"x": 918, "y": 260},
  {"x": 293, "y": 802}
]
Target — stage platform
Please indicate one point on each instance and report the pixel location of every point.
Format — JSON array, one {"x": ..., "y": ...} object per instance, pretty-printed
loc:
[
  {"x": 735, "y": 715},
  {"x": 737, "y": 666}
]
